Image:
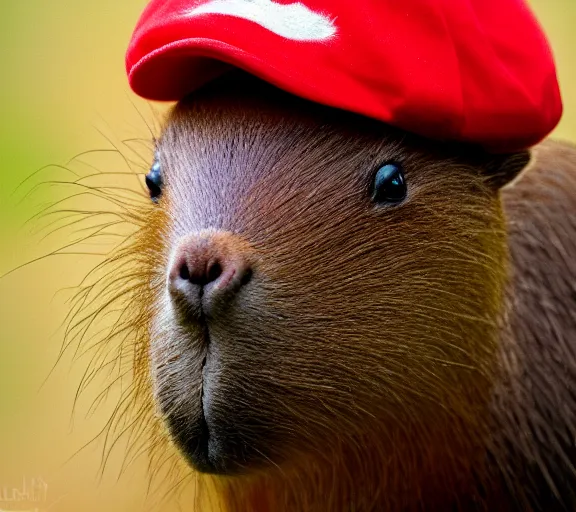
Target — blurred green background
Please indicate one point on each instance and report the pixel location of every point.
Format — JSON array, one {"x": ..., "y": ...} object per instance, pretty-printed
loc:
[{"x": 62, "y": 87}]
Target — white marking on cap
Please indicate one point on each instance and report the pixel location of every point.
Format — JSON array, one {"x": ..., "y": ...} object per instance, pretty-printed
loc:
[{"x": 293, "y": 21}]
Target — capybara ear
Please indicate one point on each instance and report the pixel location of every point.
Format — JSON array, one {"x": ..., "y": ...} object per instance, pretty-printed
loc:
[{"x": 502, "y": 169}]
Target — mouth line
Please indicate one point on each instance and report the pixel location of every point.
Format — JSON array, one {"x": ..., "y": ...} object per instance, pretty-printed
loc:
[{"x": 204, "y": 436}]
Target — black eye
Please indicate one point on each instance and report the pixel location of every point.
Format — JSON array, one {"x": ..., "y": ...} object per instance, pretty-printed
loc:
[
  {"x": 154, "y": 181},
  {"x": 389, "y": 184}
]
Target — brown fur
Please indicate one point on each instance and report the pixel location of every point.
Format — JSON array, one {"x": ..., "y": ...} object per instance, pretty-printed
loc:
[
  {"x": 409, "y": 357},
  {"x": 535, "y": 403}
]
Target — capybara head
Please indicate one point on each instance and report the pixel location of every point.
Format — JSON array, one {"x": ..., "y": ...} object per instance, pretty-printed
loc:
[{"x": 318, "y": 278}]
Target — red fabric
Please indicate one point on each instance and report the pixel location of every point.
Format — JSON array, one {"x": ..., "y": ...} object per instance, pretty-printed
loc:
[{"x": 471, "y": 70}]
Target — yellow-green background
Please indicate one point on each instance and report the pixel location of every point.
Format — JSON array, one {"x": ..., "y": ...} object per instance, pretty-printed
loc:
[{"x": 62, "y": 83}]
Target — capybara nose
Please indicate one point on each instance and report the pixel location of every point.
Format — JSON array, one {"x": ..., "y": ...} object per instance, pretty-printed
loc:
[{"x": 207, "y": 270}]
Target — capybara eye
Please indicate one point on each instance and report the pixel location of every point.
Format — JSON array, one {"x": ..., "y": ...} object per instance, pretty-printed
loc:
[
  {"x": 154, "y": 181},
  {"x": 389, "y": 184}
]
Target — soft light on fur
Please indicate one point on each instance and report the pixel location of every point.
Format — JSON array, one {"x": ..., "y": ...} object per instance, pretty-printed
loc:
[{"x": 382, "y": 357}]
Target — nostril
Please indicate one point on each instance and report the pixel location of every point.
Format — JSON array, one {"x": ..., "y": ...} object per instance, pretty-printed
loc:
[
  {"x": 214, "y": 271},
  {"x": 206, "y": 272},
  {"x": 184, "y": 272},
  {"x": 201, "y": 273}
]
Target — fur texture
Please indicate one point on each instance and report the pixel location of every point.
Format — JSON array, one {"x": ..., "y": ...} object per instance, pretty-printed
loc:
[{"x": 406, "y": 357}]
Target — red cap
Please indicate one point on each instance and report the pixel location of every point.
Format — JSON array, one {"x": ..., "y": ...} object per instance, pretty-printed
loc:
[{"x": 479, "y": 71}]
